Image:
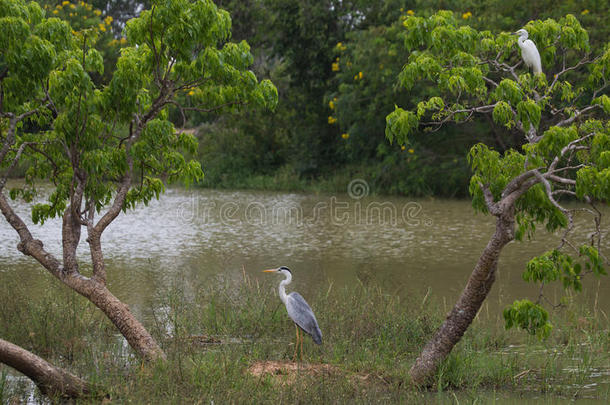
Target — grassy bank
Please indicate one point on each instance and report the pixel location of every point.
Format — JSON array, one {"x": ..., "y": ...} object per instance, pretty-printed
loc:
[
  {"x": 383, "y": 179},
  {"x": 219, "y": 336}
]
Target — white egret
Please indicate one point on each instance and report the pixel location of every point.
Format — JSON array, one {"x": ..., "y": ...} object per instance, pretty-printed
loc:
[
  {"x": 529, "y": 52},
  {"x": 298, "y": 310}
]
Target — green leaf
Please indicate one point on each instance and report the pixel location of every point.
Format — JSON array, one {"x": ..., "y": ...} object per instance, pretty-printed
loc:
[
  {"x": 529, "y": 113},
  {"x": 503, "y": 114},
  {"x": 603, "y": 101},
  {"x": 399, "y": 124},
  {"x": 528, "y": 316}
]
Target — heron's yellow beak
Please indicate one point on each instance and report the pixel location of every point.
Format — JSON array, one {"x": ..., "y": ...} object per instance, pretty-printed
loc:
[{"x": 269, "y": 271}]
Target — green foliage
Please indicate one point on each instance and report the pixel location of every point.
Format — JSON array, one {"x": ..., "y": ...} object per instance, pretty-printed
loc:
[
  {"x": 503, "y": 114},
  {"x": 529, "y": 112},
  {"x": 604, "y": 101},
  {"x": 400, "y": 124},
  {"x": 594, "y": 263},
  {"x": 560, "y": 152},
  {"x": 528, "y": 316},
  {"x": 97, "y": 134},
  {"x": 554, "y": 265},
  {"x": 593, "y": 182}
]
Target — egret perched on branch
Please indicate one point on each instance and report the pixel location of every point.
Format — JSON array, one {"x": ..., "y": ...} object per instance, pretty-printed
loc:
[
  {"x": 298, "y": 310},
  {"x": 529, "y": 52}
]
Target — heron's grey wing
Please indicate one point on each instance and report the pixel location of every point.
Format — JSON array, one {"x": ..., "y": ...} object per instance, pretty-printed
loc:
[{"x": 303, "y": 316}]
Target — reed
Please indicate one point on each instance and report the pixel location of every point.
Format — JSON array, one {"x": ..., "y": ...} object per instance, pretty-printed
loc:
[{"x": 216, "y": 334}]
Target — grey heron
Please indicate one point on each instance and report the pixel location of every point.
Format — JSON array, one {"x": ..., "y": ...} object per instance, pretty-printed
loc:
[
  {"x": 529, "y": 52},
  {"x": 298, "y": 310}
]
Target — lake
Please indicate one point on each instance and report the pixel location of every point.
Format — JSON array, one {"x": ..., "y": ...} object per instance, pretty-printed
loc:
[{"x": 409, "y": 246}]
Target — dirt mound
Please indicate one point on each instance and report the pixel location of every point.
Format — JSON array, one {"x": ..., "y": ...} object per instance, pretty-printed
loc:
[{"x": 286, "y": 372}]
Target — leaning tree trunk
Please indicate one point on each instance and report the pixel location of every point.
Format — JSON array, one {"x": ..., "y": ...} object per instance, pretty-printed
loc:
[
  {"x": 51, "y": 380},
  {"x": 119, "y": 314},
  {"x": 461, "y": 316},
  {"x": 92, "y": 288}
]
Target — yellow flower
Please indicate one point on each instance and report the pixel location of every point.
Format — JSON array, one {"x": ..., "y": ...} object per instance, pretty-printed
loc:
[
  {"x": 108, "y": 20},
  {"x": 403, "y": 147},
  {"x": 466, "y": 15},
  {"x": 123, "y": 41},
  {"x": 55, "y": 12},
  {"x": 585, "y": 11},
  {"x": 345, "y": 136},
  {"x": 72, "y": 6},
  {"x": 359, "y": 75},
  {"x": 71, "y": 14},
  {"x": 97, "y": 12},
  {"x": 65, "y": 3},
  {"x": 411, "y": 150},
  {"x": 73, "y": 32},
  {"x": 191, "y": 93},
  {"x": 335, "y": 67},
  {"x": 410, "y": 12},
  {"x": 331, "y": 105},
  {"x": 331, "y": 119},
  {"x": 102, "y": 27}
]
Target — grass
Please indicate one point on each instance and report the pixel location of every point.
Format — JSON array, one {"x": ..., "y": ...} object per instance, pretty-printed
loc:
[
  {"x": 371, "y": 338},
  {"x": 382, "y": 178}
]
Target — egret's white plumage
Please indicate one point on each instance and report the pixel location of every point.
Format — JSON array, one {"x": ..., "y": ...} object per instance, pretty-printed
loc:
[{"x": 529, "y": 52}]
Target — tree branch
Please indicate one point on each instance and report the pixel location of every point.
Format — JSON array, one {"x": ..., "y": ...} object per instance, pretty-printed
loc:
[
  {"x": 570, "y": 146},
  {"x": 28, "y": 245},
  {"x": 13, "y": 164},
  {"x": 577, "y": 114},
  {"x": 564, "y": 70},
  {"x": 49, "y": 379}
]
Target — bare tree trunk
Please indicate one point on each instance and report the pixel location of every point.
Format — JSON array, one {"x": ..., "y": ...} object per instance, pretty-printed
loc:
[
  {"x": 119, "y": 314},
  {"x": 51, "y": 380},
  {"x": 472, "y": 297}
]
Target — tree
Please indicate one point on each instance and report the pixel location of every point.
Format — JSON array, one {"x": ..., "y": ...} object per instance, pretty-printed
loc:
[
  {"x": 109, "y": 148},
  {"x": 366, "y": 66},
  {"x": 52, "y": 381},
  {"x": 303, "y": 35},
  {"x": 565, "y": 151}
]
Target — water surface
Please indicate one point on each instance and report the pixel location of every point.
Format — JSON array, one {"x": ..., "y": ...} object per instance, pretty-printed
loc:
[{"x": 412, "y": 247}]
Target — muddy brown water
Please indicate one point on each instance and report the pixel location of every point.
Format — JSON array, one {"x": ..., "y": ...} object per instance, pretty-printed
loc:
[{"x": 410, "y": 246}]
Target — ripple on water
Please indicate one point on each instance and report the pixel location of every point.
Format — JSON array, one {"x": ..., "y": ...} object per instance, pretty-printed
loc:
[{"x": 197, "y": 234}]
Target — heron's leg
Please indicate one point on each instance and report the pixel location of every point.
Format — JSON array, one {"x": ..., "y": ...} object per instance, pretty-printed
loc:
[
  {"x": 299, "y": 342},
  {"x": 301, "y": 346},
  {"x": 296, "y": 344}
]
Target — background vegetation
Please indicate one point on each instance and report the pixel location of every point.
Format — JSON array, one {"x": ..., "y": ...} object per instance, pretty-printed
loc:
[{"x": 336, "y": 73}]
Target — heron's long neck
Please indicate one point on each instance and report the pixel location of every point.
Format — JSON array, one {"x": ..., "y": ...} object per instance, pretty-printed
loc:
[
  {"x": 282, "y": 287},
  {"x": 521, "y": 40}
]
